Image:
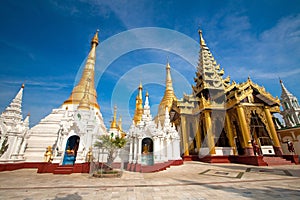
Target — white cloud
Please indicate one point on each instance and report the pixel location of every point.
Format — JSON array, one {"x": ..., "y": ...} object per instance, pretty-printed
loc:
[
  {"x": 267, "y": 55},
  {"x": 68, "y": 8},
  {"x": 48, "y": 83},
  {"x": 132, "y": 13}
]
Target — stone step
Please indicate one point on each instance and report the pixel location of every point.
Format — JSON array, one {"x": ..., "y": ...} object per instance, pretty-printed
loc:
[
  {"x": 159, "y": 166},
  {"x": 271, "y": 161},
  {"x": 64, "y": 169}
]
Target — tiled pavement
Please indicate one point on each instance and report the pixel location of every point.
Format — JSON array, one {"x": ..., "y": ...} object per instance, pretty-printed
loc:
[{"x": 191, "y": 181}]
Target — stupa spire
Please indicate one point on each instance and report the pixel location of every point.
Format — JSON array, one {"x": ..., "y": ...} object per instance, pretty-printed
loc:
[
  {"x": 138, "y": 105},
  {"x": 291, "y": 107},
  {"x": 209, "y": 75},
  {"x": 140, "y": 90},
  {"x": 147, "y": 105},
  {"x": 284, "y": 91},
  {"x": 84, "y": 103},
  {"x": 114, "y": 121},
  {"x": 26, "y": 120},
  {"x": 13, "y": 113},
  {"x": 87, "y": 78},
  {"x": 169, "y": 95}
]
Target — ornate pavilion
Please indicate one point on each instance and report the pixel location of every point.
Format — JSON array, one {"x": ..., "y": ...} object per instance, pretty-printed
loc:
[{"x": 222, "y": 118}]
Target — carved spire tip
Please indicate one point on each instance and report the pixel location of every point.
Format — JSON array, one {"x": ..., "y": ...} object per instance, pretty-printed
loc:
[
  {"x": 202, "y": 42},
  {"x": 95, "y": 39}
]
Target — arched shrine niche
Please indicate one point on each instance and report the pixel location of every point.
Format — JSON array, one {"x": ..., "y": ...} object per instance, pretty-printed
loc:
[{"x": 71, "y": 150}]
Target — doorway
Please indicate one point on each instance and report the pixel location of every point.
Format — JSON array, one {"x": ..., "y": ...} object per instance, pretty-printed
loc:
[
  {"x": 71, "y": 150},
  {"x": 147, "y": 151}
]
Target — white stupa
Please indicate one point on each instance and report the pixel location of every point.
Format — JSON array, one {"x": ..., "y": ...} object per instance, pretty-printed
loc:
[
  {"x": 72, "y": 129},
  {"x": 151, "y": 143},
  {"x": 13, "y": 130}
]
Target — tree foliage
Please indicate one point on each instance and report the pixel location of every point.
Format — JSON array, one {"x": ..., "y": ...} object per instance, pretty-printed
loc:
[{"x": 111, "y": 144}]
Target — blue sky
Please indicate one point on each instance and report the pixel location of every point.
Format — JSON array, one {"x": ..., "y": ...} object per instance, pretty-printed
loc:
[{"x": 44, "y": 43}]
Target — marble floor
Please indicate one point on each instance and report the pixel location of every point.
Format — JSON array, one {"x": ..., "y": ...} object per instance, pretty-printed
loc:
[{"x": 191, "y": 181}]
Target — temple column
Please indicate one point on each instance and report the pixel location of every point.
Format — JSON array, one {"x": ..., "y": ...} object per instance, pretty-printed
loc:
[
  {"x": 176, "y": 149},
  {"x": 169, "y": 149},
  {"x": 139, "y": 154},
  {"x": 277, "y": 147},
  {"x": 209, "y": 133},
  {"x": 230, "y": 134},
  {"x": 160, "y": 149},
  {"x": 130, "y": 150},
  {"x": 156, "y": 149},
  {"x": 245, "y": 131},
  {"x": 198, "y": 136},
  {"x": 135, "y": 150},
  {"x": 184, "y": 136}
]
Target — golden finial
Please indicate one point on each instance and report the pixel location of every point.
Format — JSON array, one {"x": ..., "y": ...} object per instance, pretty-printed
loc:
[
  {"x": 23, "y": 85},
  {"x": 168, "y": 64},
  {"x": 169, "y": 85},
  {"x": 140, "y": 90},
  {"x": 138, "y": 105},
  {"x": 114, "y": 122},
  {"x": 202, "y": 42},
  {"x": 95, "y": 39},
  {"x": 147, "y": 94},
  {"x": 200, "y": 32}
]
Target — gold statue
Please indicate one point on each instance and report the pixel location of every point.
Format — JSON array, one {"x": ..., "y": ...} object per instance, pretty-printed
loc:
[
  {"x": 70, "y": 151},
  {"x": 48, "y": 157},
  {"x": 145, "y": 149},
  {"x": 89, "y": 155}
]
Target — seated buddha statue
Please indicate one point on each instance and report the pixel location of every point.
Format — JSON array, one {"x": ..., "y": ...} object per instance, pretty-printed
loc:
[{"x": 145, "y": 149}]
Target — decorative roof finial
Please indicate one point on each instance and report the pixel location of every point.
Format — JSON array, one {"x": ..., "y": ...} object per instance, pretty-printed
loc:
[
  {"x": 202, "y": 42},
  {"x": 168, "y": 63},
  {"x": 95, "y": 39},
  {"x": 114, "y": 122}
]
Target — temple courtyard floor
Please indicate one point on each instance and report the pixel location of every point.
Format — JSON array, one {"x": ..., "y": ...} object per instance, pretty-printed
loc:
[{"x": 191, "y": 181}]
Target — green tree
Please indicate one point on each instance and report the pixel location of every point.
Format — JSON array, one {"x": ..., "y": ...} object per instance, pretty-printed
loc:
[{"x": 111, "y": 144}]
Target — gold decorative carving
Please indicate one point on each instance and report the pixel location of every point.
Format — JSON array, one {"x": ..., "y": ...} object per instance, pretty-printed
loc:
[{"x": 261, "y": 114}]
